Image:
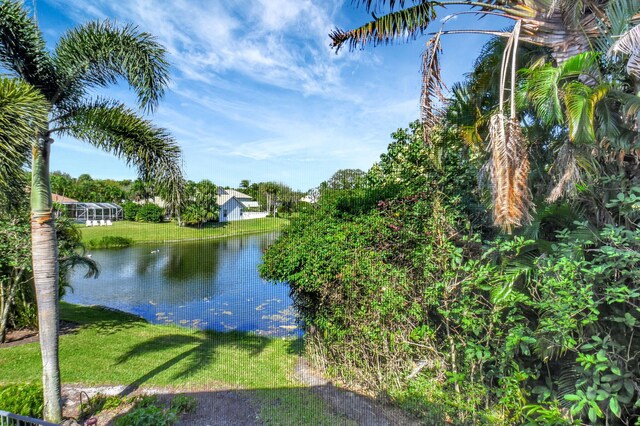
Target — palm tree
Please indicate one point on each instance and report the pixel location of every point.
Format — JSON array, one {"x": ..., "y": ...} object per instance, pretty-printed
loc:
[
  {"x": 23, "y": 110},
  {"x": 93, "y": 55},
  {"x": 564, "y": 28}
]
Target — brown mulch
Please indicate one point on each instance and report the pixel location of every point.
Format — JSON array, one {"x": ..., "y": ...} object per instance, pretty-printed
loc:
[{"x": 28, "y": 335}]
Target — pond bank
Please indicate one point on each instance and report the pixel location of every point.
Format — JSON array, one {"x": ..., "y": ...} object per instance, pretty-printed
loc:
[
  {"x": 166, "y": 232},
  {"x": 129, "y": 355}
]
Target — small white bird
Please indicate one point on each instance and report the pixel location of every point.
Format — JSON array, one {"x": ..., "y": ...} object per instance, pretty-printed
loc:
[{"x": 155, "y": 251}]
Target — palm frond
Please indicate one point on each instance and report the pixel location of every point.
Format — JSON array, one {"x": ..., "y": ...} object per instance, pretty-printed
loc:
[
  {"x": 630, "y": 103},
  {"x": 22, "y": 47},
  {"x": 540, "y": 87},
  {"x": 580, "y": 101},
  {"x": 629, "y": 44},
  {"x": 70, "y": 262},
  {"x": 585, "y": 63},
  {"x": 432, "y": 86},
  {"x": 117, "y": 129},
  {"x": 98, "y": 53},
  {"x": 407, "y": 23},
  {"x": 543, "y": 86},
  {"x": 618, "y": 14},
  {"x": 23, "y": 114}
]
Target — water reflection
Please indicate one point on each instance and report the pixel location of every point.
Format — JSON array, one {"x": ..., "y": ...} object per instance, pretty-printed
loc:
[{"x": 211, "y": 284}]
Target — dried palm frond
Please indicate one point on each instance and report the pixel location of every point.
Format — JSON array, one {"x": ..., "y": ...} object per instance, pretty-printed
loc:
[
  {"x": 509, "y": 161},
  {"x": 432, "y": 86},
  {"x": 567, "y": 173},
  {"x": 629, "y": 44},
  {"x": 509, "y": 170},
  {"x": 521, "y": 200}
]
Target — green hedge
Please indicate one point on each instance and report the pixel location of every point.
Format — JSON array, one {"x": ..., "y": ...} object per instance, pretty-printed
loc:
[{"x": 22, "y": 399}]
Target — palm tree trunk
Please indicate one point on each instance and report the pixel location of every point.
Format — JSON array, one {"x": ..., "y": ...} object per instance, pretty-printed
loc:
[{"x": 45, "y": 277}]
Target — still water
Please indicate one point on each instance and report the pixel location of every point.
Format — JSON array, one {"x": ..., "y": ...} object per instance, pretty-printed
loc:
[{"x": 211, "y": 284}]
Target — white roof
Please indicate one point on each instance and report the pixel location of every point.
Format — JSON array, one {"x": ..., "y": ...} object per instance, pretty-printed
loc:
[
  {"x": 250, "y": 204},
  {"x": 235, "y": 193}
]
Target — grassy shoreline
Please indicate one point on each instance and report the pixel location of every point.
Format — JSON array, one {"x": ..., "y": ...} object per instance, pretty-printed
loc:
[
  {"x": 142, "y": 233},
  {"x": 115, "y": 348}
]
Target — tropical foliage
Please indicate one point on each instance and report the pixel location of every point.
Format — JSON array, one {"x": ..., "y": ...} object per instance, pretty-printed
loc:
[
  {"x": 405, "y": 288},
  {"x": 17, "y": 297},
  {"x": 201, "y": 206},
  {"x": 561, "y": 30}
]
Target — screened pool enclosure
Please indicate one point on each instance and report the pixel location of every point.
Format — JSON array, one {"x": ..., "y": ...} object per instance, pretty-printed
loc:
[{"x": 93, "y": 211}]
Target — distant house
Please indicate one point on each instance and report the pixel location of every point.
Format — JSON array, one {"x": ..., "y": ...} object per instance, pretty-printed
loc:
[
  {"x": 235, "y": 205},
  {"x": 83, "y": 212}
]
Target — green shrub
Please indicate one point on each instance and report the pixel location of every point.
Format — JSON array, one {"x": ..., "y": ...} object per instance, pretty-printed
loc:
[
  {"x": 24, "y": 399},
  {"x": 150, "y": 212},
  {"x": 101, "y": 402},
  {"x": 109, "y": 241},
  {"x": 130, "y": 210},
  {"x": 183, "y": 404},
  {"x": 145, "y": 401},
  {"x": 147, "y": 416}
]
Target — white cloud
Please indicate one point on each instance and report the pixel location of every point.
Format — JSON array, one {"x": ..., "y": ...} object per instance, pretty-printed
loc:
[
  {"x": 257, "y": 89},
  {"x": 278, "y": 42}
]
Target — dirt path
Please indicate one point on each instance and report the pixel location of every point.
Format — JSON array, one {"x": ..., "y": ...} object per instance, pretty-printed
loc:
[
  {"x": 361, "y": 409},
  {"x": 221, "y": 405}
]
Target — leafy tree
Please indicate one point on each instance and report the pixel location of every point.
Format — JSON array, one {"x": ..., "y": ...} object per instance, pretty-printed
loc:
[
  {"x": 202, "y": 205},
  {"x": 140, "y": 191},
  {"x": 93, "y": 55},
  {"x": 130, "y": 210},
  {"x": 346, "y": 179},
  {"x": 270, "y": 192},
  {"x": 62, "y": 184},
  {"x": 150, "y": 212}
]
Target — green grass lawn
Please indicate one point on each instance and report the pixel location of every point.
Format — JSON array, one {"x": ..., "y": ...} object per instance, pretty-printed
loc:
[
  {"x": 165, "y": 232},
  {"x": 119, "y": 349}
]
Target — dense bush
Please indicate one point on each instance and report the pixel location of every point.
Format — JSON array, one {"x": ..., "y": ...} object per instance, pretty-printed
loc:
[
  {"x": 413, "y": 294},
  {"x": 109, "y": 241},
  {"x": 150, "y": 212},
  {"x": 130, "y": 210},
  {"x": 16, "y": 276},
  {"x": 22, "y": 399}
]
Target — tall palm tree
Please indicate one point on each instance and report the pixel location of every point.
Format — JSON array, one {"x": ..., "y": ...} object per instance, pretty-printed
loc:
[
  {"x": 93, "y": 55},
  {"x": 564, "y": 28}
]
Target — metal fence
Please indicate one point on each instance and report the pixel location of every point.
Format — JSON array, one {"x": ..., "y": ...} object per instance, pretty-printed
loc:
[{"x": 8, "y": 419}]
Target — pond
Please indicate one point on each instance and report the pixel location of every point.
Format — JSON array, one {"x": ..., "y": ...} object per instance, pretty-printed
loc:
[{"x": 210, "y": 284}]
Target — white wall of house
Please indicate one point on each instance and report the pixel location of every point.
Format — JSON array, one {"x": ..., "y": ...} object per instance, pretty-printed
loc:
[{"x": 231, "y": 210}]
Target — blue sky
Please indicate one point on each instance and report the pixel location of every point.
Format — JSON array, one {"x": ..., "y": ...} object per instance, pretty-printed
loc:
[{"x": 256, "y": 93}]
